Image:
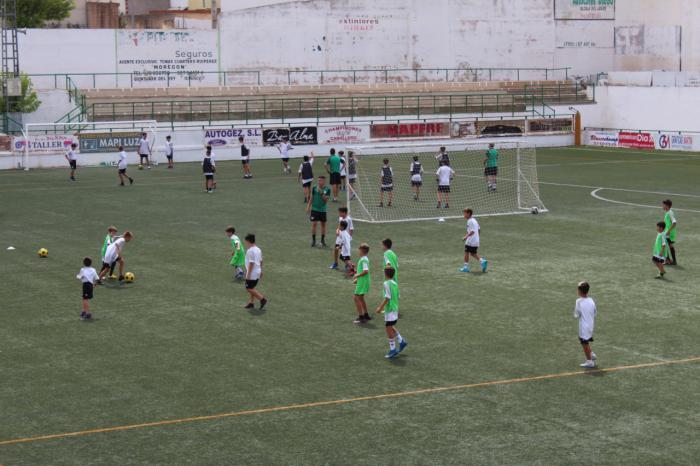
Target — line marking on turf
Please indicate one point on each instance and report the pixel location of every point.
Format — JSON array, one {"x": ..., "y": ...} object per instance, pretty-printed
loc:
[
  {"x": 595, "y": 194},
  {"x": 317, "y": 404}
]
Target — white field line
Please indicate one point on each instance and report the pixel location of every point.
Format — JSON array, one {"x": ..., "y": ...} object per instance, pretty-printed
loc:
[{"x": 595, "y": 194}]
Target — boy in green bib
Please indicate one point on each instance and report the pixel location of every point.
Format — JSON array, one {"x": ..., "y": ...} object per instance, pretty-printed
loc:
[
  {"x": 660, "y": 249},
  {"x": 671, "y": 230},
  {"x": 109, "y": 239},
  {"x": 390, "y": 308},
  {"x": 362, "y": 280},
  {"x": 238, "y": 254}
]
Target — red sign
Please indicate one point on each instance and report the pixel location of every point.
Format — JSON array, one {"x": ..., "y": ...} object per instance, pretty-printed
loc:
[
  {"x": 410, "y": 130},
  {"x": 636, "y": 140}
]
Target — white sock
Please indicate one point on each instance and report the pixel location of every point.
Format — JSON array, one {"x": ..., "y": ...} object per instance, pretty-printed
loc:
[
  {"x": 392, "y": 344},
  {"x": 398, "y": 336}
]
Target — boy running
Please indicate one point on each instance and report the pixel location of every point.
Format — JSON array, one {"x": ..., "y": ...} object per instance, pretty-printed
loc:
[
  {"x": 386, "y": 183},
  {"x": 660, "y": 249},
  {"x": 121, "y": 167},
  {"x": 109, "y": 239},
  {"x": 671, "y": 229},
  {"x": 254, "y": 272},
  {"x": 306, "y": 175},
  {"x": 445, "y": 174},
  {"x": 443, "y": 157},
  {"x": 390, "y": 308},
  {"x": 391, "y": 261},
  {"x": 284, "y": 147},
  {"x": 209, "y": 168},
  {"x": 585, "y": 311},
  {"x": 245, "y": 159},
  {"x": 114, "y": 254},
  {"x": 72, "y": 158},
  {"x": 362, "y": 280},
  {"x": 342, "y": 216},
  {"x": 317, "y": 206},
  {"x": 169, "y": 151},
  {"x": 333, "y": 167},
  {"x": 238, "y": 254},
  {"x": 416, "y": 177},
  {"x": 88, "y": 276},
  {"x": 491, "y": 167},
  {"x": 144, "y": 151},
  {"x": 471, "y": 242}
]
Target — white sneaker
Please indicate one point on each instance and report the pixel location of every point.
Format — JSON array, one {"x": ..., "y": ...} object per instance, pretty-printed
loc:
[
  {"x": 593, "y": 356},
  {"x": 588, "y": 364}
]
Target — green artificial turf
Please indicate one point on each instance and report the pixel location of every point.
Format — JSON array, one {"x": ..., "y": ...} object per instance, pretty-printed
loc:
[{"x": 177, "y": 342}]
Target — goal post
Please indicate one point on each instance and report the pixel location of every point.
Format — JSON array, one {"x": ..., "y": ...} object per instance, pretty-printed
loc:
[
  {"x": 73, "y": 131},
  {"x": 508, "y": 188}
]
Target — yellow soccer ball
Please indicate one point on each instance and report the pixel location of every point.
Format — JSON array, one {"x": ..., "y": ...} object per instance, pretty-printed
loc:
[
  {"x": 129, "y": 277},
  {"x": 43, "y": 252}
]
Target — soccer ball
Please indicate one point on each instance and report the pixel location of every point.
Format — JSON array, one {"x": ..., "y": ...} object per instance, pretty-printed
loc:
[
  {"x": 43, "y": 252},
  {"x": 140, "y": 167},
  {"x": 129, "y": 277},
  {"x": 535, "y": 210}
]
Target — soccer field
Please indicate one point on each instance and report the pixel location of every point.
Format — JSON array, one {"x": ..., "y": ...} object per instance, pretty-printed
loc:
[{"x": 173, "y": 370}]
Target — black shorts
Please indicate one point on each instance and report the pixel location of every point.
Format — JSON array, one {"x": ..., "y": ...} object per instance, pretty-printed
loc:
[
  {"x": 318, "y": 216},
  {"x": 344, "y": 258},
  {"x": 209, "y": 177},
  {"x": 306, "y": 184},
  {"x": 443, "y": 189},
  {"x": 73, "y": 164},
  {"x": 169, "y": 157},
  {"x": 122, "y": 171},
  {"x": 245, "y": 162},
  {"x": 670, "y": 243},
  {"x": 585, "y": 341},
  {"x": 335, "y": 178},
  {"x": 352, "y": 179},
  {"x": 471, "y": 249},
  {"x": 416, "y": 183},
  {"x": 390, "y": 323},
  {"x": 387, "y": 189},
  {"x": 490, "y": 171},
  {"x": 143, "y": 156},
  {"x": 657, "y": 260},
  {"x": 251, "y": 284},
  {"x": 285, "y": 159},
  {"x": 87, "y": 290}
]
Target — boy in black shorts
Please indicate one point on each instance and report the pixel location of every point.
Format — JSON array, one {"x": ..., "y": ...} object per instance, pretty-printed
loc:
[
  {"x": 306, "y": 175},
  {"x": 72, "y": 158},
  {"x": 386, "y": 181},
  {"x": 245, "y": 159},
  {"x": 209, "y": 168},
  {"x": 317, "y": 207},
  {"x": 88, "y": 276},
  {"x": 169, "y": 151}
]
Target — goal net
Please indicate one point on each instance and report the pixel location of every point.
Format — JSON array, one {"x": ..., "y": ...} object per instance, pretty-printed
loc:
[
  {"x": 509, "y": 185},
  {"x": 91, "y": 137}
]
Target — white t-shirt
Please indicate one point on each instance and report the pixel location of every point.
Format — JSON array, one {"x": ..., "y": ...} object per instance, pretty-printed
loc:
[
  {"x": 168, "y": 148},
  {"x": 585, "y": 311},
  {"x": 285, "y": 147},
  {"x": 344, "y": 240},
  {"x": 348, "y": 219},
  {"x": 445, "y": 175},
  {"x": 113, "y": 250},
  {"x": 88, "y": 275},
  {"x": 122, "y": 160},
  {"x": 72, "y": 155},
  {"x": 343, "y": 169},
  {"x": 143, "y": 146},
  {"x": 254, "y": 256},
  {"x": 472, "y": 226}
]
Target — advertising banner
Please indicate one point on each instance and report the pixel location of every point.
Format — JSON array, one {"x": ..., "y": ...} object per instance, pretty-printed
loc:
[
  {"x": 410, "y": 130},
  {"x": 684, "y": 142},
  {"x": 222, "y": 137},
  {"x": 297, "y": 135},
  {"x": 343, "y": 134},
  {"x": 551, "y": 125},
  {"x": 463, "y": 129},
  {"x": 500, "y": 128},
  {"x": 584, "y": 9},
  {"x": 109, "y": 142},
  {"x": 45, "y": 144},
  {"x": 167, "y": 58},
  {"x": 601, "y": 138},
  {"x": 633, "y": 140}
]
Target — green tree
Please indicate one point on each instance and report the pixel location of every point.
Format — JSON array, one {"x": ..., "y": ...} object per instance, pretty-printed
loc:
[
  {"x": 27, "y": 102},
  {"x": 35, "y": 13}
]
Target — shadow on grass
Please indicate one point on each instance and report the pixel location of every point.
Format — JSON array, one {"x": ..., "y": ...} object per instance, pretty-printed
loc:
[{"x": 257, "y": 312}]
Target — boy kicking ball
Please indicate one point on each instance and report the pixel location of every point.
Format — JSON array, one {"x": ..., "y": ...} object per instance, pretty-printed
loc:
[
  {"x": 660, "y": 249},
  {"x": 585, "y": 311},
  {"x": 362, "y": 280},
  {"x": 88, "y": 276},
  {"x": 390, "y": 308},
  {"x": 238, "y": 254},
  {"x": 471, "y": 243},
  {"x": 114, "y": 254}
]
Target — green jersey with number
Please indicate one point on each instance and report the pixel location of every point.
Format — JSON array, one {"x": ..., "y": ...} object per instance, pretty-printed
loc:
[
  {"x": 492, "y": 158},
  {"x": 670, "y": 219},
  {"x": 318, "y": 204},
  {"x": 391, "y": 292},
  {"x": 238, "y": 258},
  {"x": 390, "y": 260}
]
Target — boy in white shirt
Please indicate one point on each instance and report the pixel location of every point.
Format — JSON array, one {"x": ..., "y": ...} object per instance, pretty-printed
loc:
[
  {"x": 72, "y": 158},
  {"x": 343, "y": 246},
  {"x": 253, "y": 272},
  {"x": 114, "y": 254},
  {"x": 342, "y": 216},
  {"x": 121, "y": 166},
  {"x": 284, "y": 147},
  {"x": 169, "y": 151},
  {"x": 88, "y": 276},
  {"x": 585, "y": 311},
  {"x": 471, "y": 242},
  {"x": 144, "y": 151},
  {"x": 444, "y": 176}
]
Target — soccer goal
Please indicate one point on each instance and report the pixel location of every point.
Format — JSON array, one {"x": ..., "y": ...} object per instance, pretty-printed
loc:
[
  {"x": 99, "y": 136},
  {"x": 511, "y": 189}
]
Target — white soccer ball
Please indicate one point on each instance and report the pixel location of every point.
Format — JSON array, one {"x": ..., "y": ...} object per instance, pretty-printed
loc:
[
  {"x": 441, "y": 219},
  {"x": 535, "y": 210}
]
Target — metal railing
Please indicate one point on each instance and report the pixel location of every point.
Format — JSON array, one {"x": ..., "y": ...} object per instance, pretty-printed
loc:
[{"x": 10, "y": 125}]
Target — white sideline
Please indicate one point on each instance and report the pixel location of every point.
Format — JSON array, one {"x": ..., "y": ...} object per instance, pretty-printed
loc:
[{"x": 595, "y": 194}]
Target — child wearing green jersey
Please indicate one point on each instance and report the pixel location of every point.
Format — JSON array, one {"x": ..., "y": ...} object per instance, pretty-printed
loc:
[
  {"x": 109, "y": 239},
  {"x": 671, "y": 230},
  {"x": 238, "y": 254},
  {"x": 491, "y": 167},
  {"x": 391, "y": 261},
  {"x": 317, "y": 207},
  {"x": 390, "y": 308},
  {"x": 362, "y": 281},
  {"x": 660, "y": 249}
]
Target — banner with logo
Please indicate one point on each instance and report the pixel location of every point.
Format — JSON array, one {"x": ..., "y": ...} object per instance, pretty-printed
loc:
[
  {"x": 297, "y": 135},
  {"x": 409, "y": 130},
  {"x": 45, "y": 144},
  {"x": 500, "y": 128},
  {"x": 601, "y": 138},
  {"x": 463, "y": 129},
  {"x": 676, "y": 141},
  {"x": 641, "y": 140},
  {"x": 343, "y": 134},
  {"x": 109, "y": 142},
  {"x": 584, "y": 9},
  {"x": 222, "y": 137},
  {"x": 551, "y": 125}
]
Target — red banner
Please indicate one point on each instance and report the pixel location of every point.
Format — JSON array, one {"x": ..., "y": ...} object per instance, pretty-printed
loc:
[
  {"x": 636, "y": 140},
  {"x": 409, "y": 130}
]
